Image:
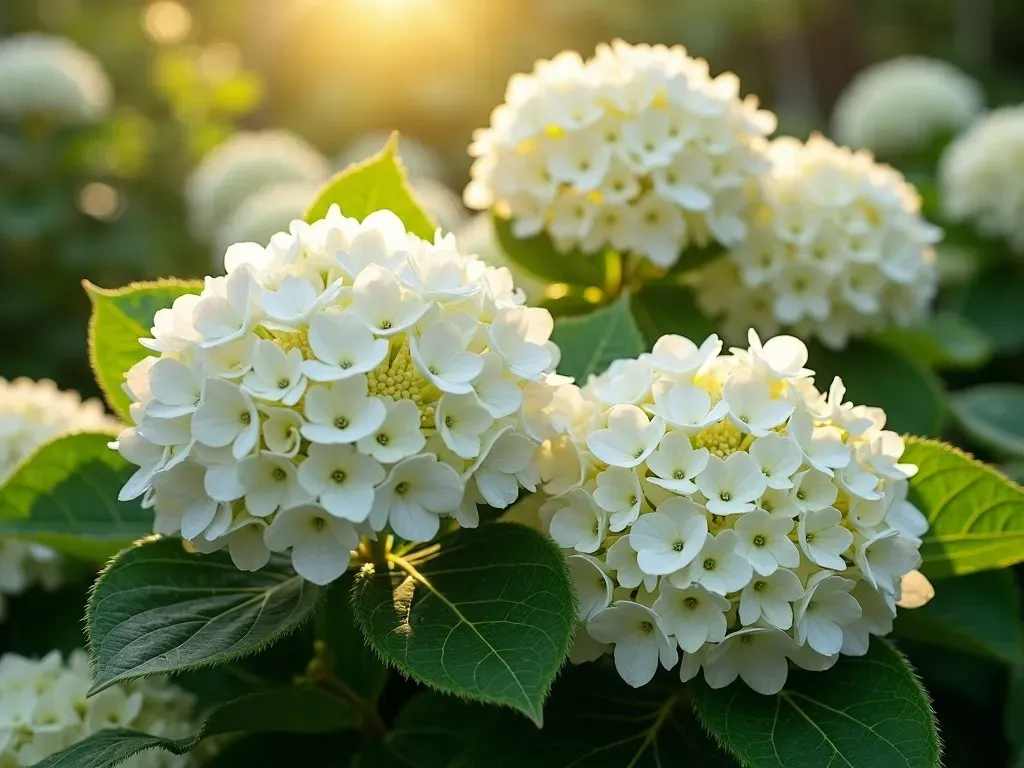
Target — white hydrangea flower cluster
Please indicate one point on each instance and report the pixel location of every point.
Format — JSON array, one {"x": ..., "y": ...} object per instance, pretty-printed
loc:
[
  {"x": 32, "y": 413},
  {"x": 49, "y": 76},
  {"x": 837, "y": 250},
  {"x": 903, "y": 103},
  {"x": 980, "y": 176},
  {"x": 636, "y": 149},
  {"x": 345, "y": 379},
  {"x": 44, "y": 710},
  {"x": 477, "y": 237},
  {"x": 246, "y": 165},
  {"x": 724, "y": 507}
]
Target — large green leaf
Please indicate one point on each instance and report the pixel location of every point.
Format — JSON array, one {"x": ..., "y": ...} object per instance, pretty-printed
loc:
[
  {"x": 866, "y": 712},
  {"x": 292, "y": 709},
  {"x": 975, "y": 514},
  {"x": 594, "y": 720},
  {"x": 876, "y": 375},
  {"x": 993, "y": 416},
  {"x": 979, "y": 613},
  {"x": 377, "y": 183},
  {"x": 121, "y": 317},
  {"x": 590, "y": 343},
  {"x": 944, "y": 340},
  {"x": 65, "y": 496},
  {"x": 669, "y": 309},
  {"x": 157, "y": 608},
  {"x": 488, "y": 615},
  {"x": 992, "y": 301},
  {"x": 539, "y": 256}
]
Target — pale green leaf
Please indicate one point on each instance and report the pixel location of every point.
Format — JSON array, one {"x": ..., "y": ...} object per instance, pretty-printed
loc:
[
  {"x": 590, "y": 343},
  {"x": 377, "y": 183},
  {"x": 866, "y": 712},
  {"x": 975, "y": 514},
  {"x": 121, "y": 317},
  {"x": 993, "y": 416},
  {"x": 487, "y": 615},
  {"x": 992, "y": 302},
  {"x": 539, "y": 256},
  {"x": 159, "y": 609},
  {"x": 65, "y": 496}
]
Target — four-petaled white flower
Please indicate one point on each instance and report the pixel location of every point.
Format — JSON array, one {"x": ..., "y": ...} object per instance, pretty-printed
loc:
[
  {"x": 751, "y": 406},
  {"x": 675, "y": 463},
  {"x": 823, "y": 447},
  {"x": 686, "y": 407},
  {"x": 342, "y": 478},
  {"x": 342, "y": 412},
  {"x": 593, "y": 586},
  {"x": 275, "y": 375},
  {"x": 618, "y": 493},
  {"x": 227, "y": 416},
  {"x": 885, "y": 558},
  {"x": 669, "y": 539},
  {"x": 680, "y": 358},
  {"x": 640, "y": 642},
  {"x": 380, "y": 301},
  {"x": 778, "y": 457},
  {"x": 320, "y": 543},
  {"x": 757, "y": 655},
  {"x": 398, "y": 436},
  {"x": 270, "y": 482},
  {"x": 343, "y": 346},
  {"x": 622, "y": 560},
  {"x": 440, "y": 356},
  {"x": 629, "y": 438},
  {"x": 692, "y": 615},
  {"x": 771, "y": 598},
  {"x": 825, "y": 608},
  {"x": 763, "y": 539},
  {"x": 416, "y": 492},
  {"x": 731, "y": 485},
  {"x": 460, "y": 421},
  {"x": 718, "y": 567},
  {"x": 823, "y": 538},
  {"x": 578, "y": 523}
]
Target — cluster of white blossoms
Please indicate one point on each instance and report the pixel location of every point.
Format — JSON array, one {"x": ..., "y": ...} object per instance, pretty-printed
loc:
[
  {"x": 243, "y": 166},
  {"x": 636, "y": 149},
  {"x": 44, "y": 710},
  {"x": 723, "y": 507},
  {"x": 477, "y": 237},
  {"x": 980, "y": 176},
  {"x": 48, "y": 76},
  {"x": 904, "y": 103},
  {"x": 838, "y": 249},
  {"x": 32, "y": 413},
  {"x": 346, "y": 379}
]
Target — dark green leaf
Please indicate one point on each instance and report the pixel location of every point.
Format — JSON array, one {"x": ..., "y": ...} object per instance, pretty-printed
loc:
[
  {"x": 866, "y": 712},
  {"x": 975, "y": 514},
  {"x": 377, "y": 183},
  {"x": 352, "y": 661},
  {"x": 488, "y": 615},
  {"x": 157, "y": 608},
  {"x": 945, "y": 340},
  {"x": 979, "y": 613},
  {"x": 539, "y": 256},
  {"x": 1014, "y": 717},
  {"x": 992, "y": 301},
  {"x": 590, "y": 343},
  {"x": 874, "y": 375},
  {"x": 65, "y": 496},
  {"x": 119, "y": 319},
  {"x": 992, "y": 415},
  {"x": 668, "y": 309}
]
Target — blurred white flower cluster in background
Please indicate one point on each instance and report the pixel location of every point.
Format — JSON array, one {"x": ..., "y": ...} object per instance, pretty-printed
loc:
[
  {"x": 902, "y": 104},
  {"x": 721, "y": 506},
  {"x": 44, "y": 710},
  {"x": 31, "y": 414},
  {"x": 980, "y": 176},
  {"x": 345, "y": 380},
  {"x": 51, "y": 77},
  {"x": 837, "y": 249},
  {"x": 638, "y": 149}
]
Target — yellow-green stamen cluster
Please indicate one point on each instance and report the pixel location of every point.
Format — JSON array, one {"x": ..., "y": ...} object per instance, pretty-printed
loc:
[
  {"x": 398, "y": 379},
  {"x": 721, "y": 439}
]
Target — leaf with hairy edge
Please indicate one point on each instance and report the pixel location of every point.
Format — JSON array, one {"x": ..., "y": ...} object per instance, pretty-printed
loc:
[
  {"x": 975, "y": 514},
  {"x": 592, "y": 342},
  {"x": 159, "y": 609},
  {"x": 979, "y": 613},
  {"x": 65, "y": 496},
  {"x": 292, "y": 709},
  {"x": 866, "y": 712},
  {"x": 992, "y": 415},
  {"x": 487, "y": 615},
  {"x": 120, "y": 317},
  {"x": 377, "y": 183},
  {"x": 539, "y": 256}
]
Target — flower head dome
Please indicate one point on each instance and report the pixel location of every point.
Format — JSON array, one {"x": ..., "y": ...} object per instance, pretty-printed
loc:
[
  {"x": 837, "y": 249},
  {"x": 980, "y": 173},
  {"x": 242, "y": 166},
  {"x": 723, "y": 507},
  {"x": 46, "y": 701},
  {"x": 51, "y": 76},
  {"x": 636, "y": 149},
  {"x": 346, "y": 379},
  {"x": 903, "y": 103},
  {"x": 264, "y": 213}
]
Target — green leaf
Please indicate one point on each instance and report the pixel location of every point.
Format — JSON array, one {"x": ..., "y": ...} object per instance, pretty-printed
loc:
[
  {"x": 121, "y": 317},
  {"x": 488, "y": 615},
  {"x": 866, "y": 712},
  {"x": 590, "y": 343},
  {"x": 159, "y": 609},
  {"x": 352, "y": 661},
  {"x": 992, "y": 301},
  {"x": 594, "y": 720},
  {"x": 292, "y": 709},
  {"x": 975, "y": 514},
  {"x": 979, "y": 613},
  {"x": 669, "y": 309},
  {"x": 539, "y": 256},
  {"x": 875, "y": 375},
  {"x": 993, "y": 416},
  {"x": 377, "y": 183},
  {"x": 65, "y": 496},
  {"x": 945, "y": 340}
]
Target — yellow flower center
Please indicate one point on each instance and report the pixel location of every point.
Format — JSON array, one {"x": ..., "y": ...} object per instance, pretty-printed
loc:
[
  {"x": 721, "y": 439},
  {"x": 397, "y": 378}
]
